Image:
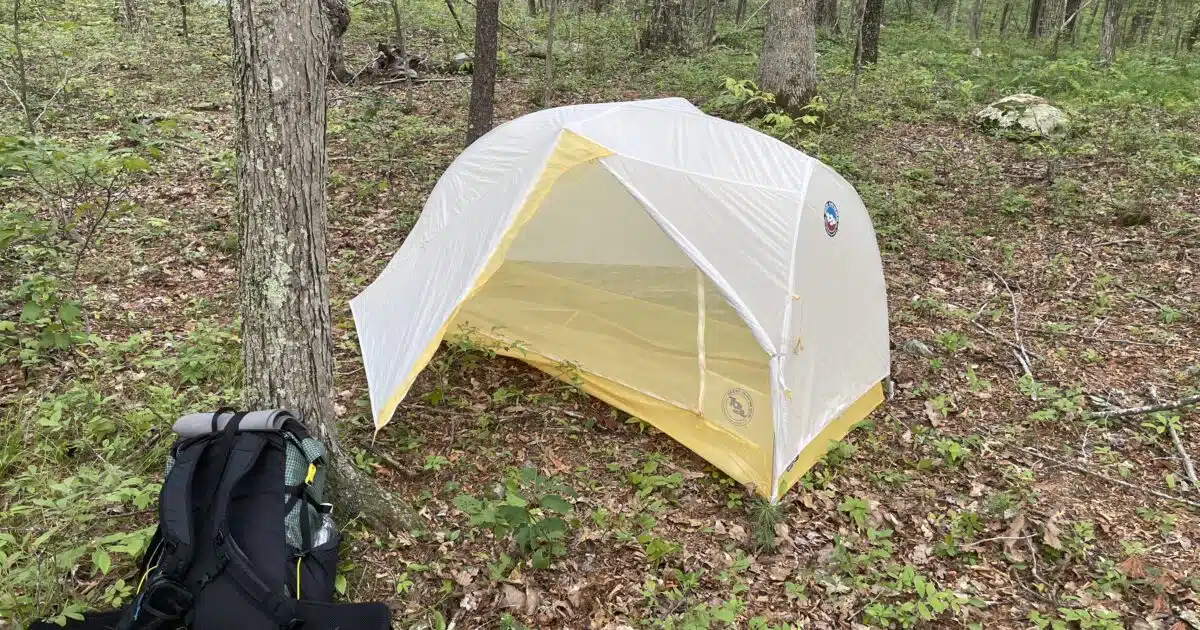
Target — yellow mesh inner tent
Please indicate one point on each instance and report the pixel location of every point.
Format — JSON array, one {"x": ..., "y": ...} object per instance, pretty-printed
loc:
[{"x": 705, "y": 278}]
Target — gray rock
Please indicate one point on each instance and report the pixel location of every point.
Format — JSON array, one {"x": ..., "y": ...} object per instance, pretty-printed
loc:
[
  {"x": 917, "y": 348},
  {"x": 1024, "y": 115}
]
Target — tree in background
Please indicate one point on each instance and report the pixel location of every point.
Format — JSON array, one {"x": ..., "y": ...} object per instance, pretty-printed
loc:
[
  {"x": 974, "y": 21},
  {"x": 1034, "y": 27},
  {"x": 788, "y": 64},
  {"x": 1109, "y": 30},
  {"x": 827, "y": 15},
  {"x": 132, "y": 17},
  {"x": 664, "y": 29},
  {"x": 1071, "y": 18},
  {"x": 338, "y": 14},
  {"x": 867, "y": 51},
  {"x": 549, "y": 92},
  {"x": 483, "y": 69},
  {"x": 280, "y": 62}
]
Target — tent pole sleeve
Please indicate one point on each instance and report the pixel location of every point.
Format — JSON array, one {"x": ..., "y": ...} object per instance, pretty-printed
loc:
[{"x": 700, "y": 320}]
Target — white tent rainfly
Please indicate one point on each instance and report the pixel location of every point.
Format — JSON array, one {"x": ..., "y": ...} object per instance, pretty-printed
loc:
[{"x": 697, "y": 274}]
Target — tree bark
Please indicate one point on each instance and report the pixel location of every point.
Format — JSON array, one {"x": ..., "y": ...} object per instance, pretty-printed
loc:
[
  {"x": 827, "y": 15},
  {"x": 552, "y": 10},
  {"x": 280, "y": 62},
  {"x": 1005, "y": 11},
  {"x": 1189, "y": 41},
  {"x": 664, "y": 30},
  {"x": 787, "y": 67},
  {"x": 533, "y": 8},
  {"x": 132, "y": 17},
  {"x": 483, "y": 69},
  {"x": 22, "y": 75},
  {"x": 183, "y": 21},
  {"x": 1035, "y": 18},
  {"x": 1108, "y": 31},
  {"x": 338, "y": 14},
  {"x": 952, "y": 16},
  {"x": 975, "y": 20},
  {"x": 404, "y": 59},
  {"x": 868, "y": 52},
  {"x": 740, "y": 14},
  {"x": 710, "y": 23},
  {"x": 1072, "y": 18}
]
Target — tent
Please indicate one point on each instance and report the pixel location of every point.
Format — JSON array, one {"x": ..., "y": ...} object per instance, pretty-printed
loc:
[{"x": 697, "y": 274}]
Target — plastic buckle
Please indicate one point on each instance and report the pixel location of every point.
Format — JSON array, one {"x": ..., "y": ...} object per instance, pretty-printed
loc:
[{"x": 294, "y": 624}]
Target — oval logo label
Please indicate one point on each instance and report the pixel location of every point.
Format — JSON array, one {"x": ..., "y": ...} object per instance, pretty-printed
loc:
[
  {"x": 738, "y": 406},
  {"x": 832, "y": 218}
]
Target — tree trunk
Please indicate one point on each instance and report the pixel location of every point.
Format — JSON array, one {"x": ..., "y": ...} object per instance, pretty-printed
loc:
[
  {"x": 533, "y": 8},
  {"x": 741, "y": 11},
  {"x": 183, "y": 21},
  {"x": 1035, "y": 18},
  {"x": 1108, "y": 31},
  {"x": 338, "y": 14},
  {"x": 1072, "y": 18},
  {"x": 404, "y": 59},
  {"x": 483, "y": 69},
  {"x": 975, "y": 20},
  {"x": 1005, "y": 12},
  {"x": 22, "y": 76},
  {"x": 664, "y": 30},
  {"x": 1189, "y": 41},
  {"x": 827, "y": 15},
  {"x": 787, "y": 67},
  {"x": 868, "y": 52},
  {"x": 710, "y": 23},
  {"x": 952, "y": 16},
  {"x": 552, "y": 10},
  {"x": 131, "y": 16},
  {"x": 280, "y": 61}
]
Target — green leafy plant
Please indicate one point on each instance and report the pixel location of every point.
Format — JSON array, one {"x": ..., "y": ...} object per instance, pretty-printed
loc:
[
  {"x": 532, "y": 512},
  {"x": 647, "y": 480}
]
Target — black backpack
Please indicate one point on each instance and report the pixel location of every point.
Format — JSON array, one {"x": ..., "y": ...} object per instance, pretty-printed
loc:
[{"x": 245, "y": 539}]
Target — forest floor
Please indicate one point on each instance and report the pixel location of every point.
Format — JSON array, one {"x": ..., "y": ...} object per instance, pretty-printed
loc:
[{"x": 983, "y": 493}]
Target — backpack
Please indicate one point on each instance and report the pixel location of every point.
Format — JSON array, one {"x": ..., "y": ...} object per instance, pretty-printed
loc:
[{"x": 245, "y": 538}]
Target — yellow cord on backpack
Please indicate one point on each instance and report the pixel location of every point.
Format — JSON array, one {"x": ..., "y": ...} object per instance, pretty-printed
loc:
[
  {"x": 312, "y": 474},
  {"x": 142, "y": 582},
  {"x": 298, "y": 576}
]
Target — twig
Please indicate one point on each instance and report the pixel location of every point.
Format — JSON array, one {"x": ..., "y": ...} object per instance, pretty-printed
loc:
[
  {"x": 1183, "y": 454},
  {"x": 1137, "y": 411},
  {"x": 998, "y": 337},
  {"x": 1150, "y": 301},
  {"x": 454, "y": 14},
  {"x": 980, "y": 542},
  {"x": 1111, "y": 480},
  {"x": 1117, "y": 242},
  {"x": 746, "y": 22},
  {"x": 1024, "y": 354}
]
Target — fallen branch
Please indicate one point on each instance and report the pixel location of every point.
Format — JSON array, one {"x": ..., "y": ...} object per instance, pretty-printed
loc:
[
  {"x": 1092, "y": 337},
  {"x": 421, "y": 80},
  {"x": 1183, "y": 454},
  {"x": 1137, "y": 411},
  {"x": 1188, "y": 468},
  {"x": 1092, "y": 473}
]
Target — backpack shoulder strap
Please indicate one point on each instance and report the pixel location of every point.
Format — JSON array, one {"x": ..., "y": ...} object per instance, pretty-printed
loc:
[{"x": 166, "y": 599}]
